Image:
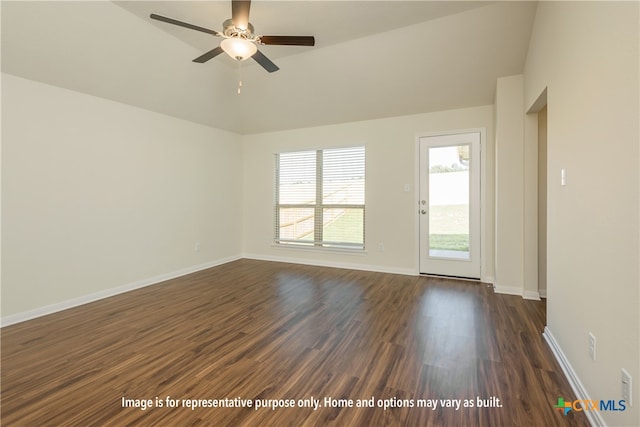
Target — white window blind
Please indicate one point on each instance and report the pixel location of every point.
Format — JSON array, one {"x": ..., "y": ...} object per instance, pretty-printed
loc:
[{"x": 320, "y": 198}]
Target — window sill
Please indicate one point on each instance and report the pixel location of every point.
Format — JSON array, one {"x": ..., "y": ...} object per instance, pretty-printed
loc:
[{"x": 344, "y": 251}]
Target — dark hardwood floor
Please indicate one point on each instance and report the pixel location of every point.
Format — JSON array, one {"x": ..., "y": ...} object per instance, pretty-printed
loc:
[{"x": 263, "y": 331}]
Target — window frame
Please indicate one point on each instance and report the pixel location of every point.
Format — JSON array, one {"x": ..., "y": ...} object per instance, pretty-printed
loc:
[{"x": 318, "y": 207}]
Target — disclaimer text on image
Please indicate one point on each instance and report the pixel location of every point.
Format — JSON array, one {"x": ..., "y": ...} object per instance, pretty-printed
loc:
[{"x": 311, "y": 403}]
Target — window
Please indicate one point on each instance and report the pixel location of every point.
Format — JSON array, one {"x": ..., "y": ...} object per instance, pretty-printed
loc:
[{"x": 320, "y": 198}]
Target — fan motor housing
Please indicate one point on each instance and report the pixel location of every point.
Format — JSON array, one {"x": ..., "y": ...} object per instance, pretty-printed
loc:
[{"x": 230, "y": 30}]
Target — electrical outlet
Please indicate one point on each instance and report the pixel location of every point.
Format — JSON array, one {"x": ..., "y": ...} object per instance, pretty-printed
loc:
[
  {"x": 592, "y": 346},
  {"x": 626, "y": 387},
  {"x": 197, "y": 247},
  {"x": 381, "y": 247}
]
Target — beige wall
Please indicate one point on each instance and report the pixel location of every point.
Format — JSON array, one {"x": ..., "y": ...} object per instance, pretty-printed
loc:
[
  {"x": 586, "y": 55},
  {"x": 517, "y": 239},
  {"x": 391, "y": 164},
  {"x": 98, "y": 195},
  {"x": 509, "y": 171}
]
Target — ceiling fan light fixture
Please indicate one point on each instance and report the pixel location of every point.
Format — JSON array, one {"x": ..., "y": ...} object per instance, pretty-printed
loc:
[
  {"x": 240, "y": 39},
  {"x": 238, "y": 48}
]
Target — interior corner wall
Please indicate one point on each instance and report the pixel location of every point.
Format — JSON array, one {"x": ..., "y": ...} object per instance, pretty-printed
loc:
[
  {"x": 98, "y": 195},
  {"x": 586, "y": 54},
  {"x": 391, "y": 164},
  {"x": 509, "y": 189}
]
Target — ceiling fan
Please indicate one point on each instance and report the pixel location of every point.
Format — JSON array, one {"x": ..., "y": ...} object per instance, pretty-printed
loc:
[{"x": 240, "y": 42}]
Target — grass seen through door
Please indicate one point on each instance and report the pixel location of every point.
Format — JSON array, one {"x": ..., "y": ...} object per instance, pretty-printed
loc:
[{"x": 449, "y": 227}]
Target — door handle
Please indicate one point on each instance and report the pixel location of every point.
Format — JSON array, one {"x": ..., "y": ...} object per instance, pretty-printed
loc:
[{"x": 423, "y": 212}]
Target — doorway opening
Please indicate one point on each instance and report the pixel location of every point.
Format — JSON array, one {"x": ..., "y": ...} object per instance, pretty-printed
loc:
[
  {"x": 536, "y": 160},
  {"x": 542, "y": 202}
]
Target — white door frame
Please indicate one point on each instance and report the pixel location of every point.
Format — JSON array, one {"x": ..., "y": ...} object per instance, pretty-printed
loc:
[{"x": 483, "y": 242}]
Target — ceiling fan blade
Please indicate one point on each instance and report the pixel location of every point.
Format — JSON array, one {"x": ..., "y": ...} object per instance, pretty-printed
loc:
[
  {"x": 265, "y": 62},
  {"x": 207, "y": 56},
  {"x": 240, "y": 13},
  {"x": 288, "y": 40},
  {"x": 183, "y": 24}
]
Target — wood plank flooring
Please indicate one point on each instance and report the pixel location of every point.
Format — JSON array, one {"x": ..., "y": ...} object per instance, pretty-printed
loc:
[{"x": 261, "y": 331}]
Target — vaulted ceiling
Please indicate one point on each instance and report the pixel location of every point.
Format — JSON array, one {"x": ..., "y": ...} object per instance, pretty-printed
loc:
[{"x": 372, "y": 59}]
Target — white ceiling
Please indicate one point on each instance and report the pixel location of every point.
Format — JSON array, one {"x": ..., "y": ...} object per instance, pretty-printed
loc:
[{"x": 372, "y": 59}]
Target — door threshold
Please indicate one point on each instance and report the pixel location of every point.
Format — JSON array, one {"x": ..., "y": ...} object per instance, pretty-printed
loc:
[{"x": 444, "y": 276}]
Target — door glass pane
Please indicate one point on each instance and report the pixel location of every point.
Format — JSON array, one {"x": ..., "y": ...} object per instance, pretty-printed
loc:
[{"x": 449, "y": 202}]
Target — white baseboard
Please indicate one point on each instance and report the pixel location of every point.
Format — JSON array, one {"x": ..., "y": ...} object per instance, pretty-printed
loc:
[
  {"x": 507, "y": 290},
  {"x": 319, "y": 263},
  {"x": 594, "y": 417},
  {"x": 542, "y": 292},
  {"x": 515, "y": 290},
  {"x": 74, "y": 302},
  {"x": 488, "y": 279},
  {"x": 532, "y": 295}
]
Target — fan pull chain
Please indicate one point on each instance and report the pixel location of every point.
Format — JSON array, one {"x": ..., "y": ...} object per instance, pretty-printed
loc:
[{"x": 239, "y": 77}]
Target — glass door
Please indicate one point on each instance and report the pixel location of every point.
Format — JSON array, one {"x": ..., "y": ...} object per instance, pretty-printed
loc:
[{"x": 449, "y": 206}]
